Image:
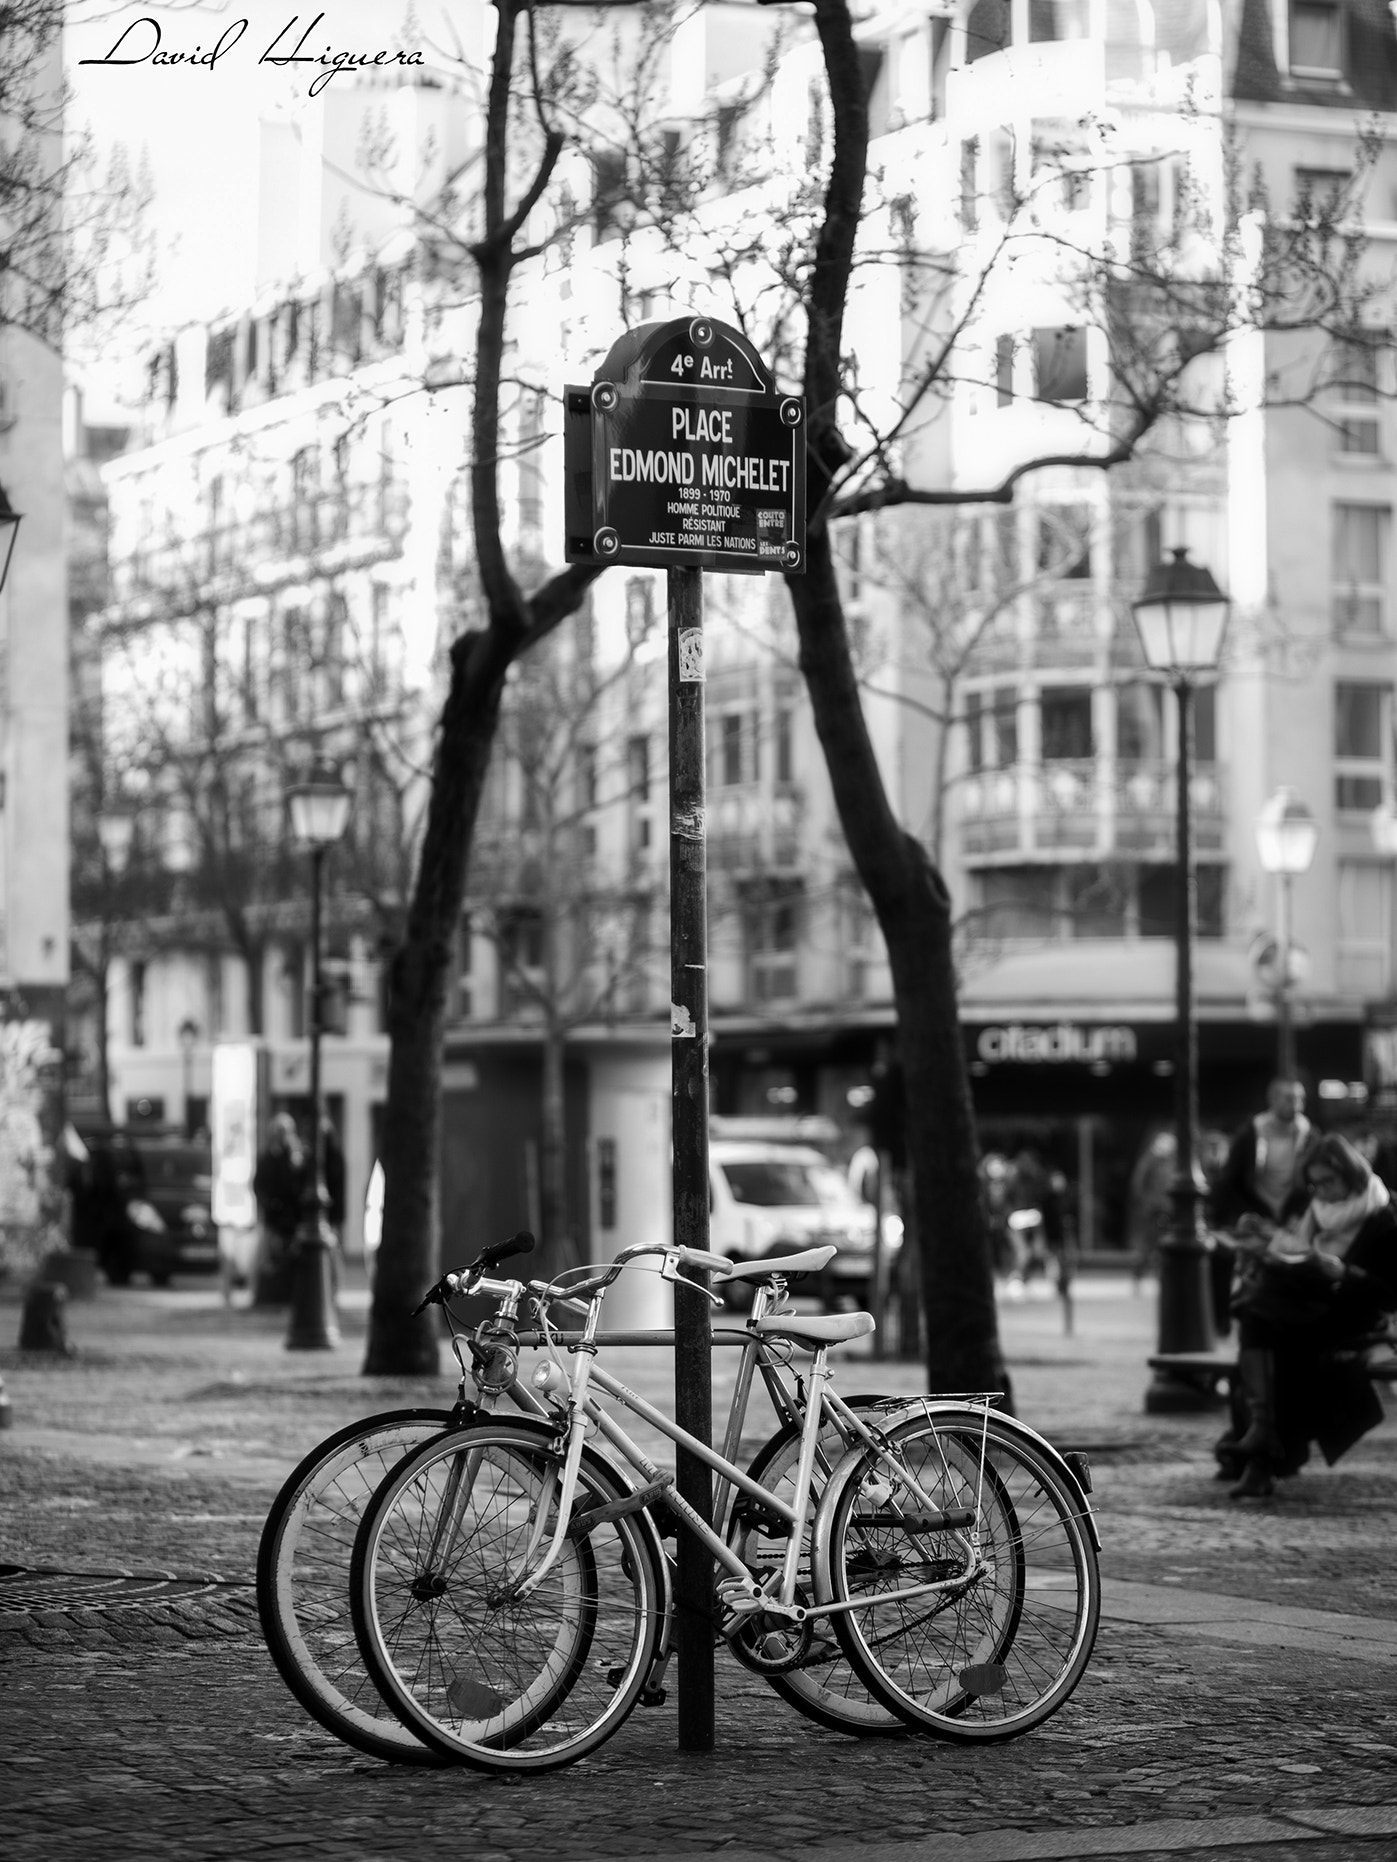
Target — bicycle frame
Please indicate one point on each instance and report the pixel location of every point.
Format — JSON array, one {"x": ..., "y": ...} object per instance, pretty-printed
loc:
[{"x": 741, "y": 1593}]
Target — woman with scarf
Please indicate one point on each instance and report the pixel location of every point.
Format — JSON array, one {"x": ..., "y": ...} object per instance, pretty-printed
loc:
[{"x": 1303, "y": 1308}]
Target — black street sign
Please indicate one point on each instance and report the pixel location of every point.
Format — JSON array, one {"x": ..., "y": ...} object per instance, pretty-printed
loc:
[{"x": 680, "y": 456}]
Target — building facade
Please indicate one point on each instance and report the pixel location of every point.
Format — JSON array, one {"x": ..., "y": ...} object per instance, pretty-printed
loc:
[{"x": 291, "y": 489}]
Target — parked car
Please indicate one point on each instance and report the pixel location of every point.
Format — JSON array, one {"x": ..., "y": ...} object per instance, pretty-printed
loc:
[
  {"x": 142, "y": 1203},
  {"x": 770, "y": 1198}
]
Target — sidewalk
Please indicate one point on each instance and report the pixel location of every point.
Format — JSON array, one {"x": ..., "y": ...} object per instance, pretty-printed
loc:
[{"x": 1239, "y": 1702}]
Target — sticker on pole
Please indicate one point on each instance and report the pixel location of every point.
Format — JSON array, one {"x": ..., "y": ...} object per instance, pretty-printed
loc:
[
  {"x": 691, "y": 655},
  {"x": 682, "y": 455}
]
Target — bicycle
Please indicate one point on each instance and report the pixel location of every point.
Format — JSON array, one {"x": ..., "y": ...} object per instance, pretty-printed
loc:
[
  {"x": 305, "y": 1549},
  {"x": 511, "y": 1596}
]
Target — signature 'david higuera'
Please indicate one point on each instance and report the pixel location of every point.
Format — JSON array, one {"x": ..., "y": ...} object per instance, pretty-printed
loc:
[{"x": 142, "y": 43}]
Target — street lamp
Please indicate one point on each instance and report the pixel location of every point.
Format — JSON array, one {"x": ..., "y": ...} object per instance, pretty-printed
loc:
[
  {"x": 1286, "y": 837},
  {"x": 188, "y": 1032},
  {"x": 116, "y": 828},
  {"x": 1181, "y": 618},
  {"x": 10, "y": 521},
  {"x": 319, "y": 815}
]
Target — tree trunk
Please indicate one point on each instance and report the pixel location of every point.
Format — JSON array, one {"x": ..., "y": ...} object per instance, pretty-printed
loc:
[
  {"x": 914, "y": 913},
  {"x": 553, "y": 1199},
  {"x": 399, "y": 1344}
]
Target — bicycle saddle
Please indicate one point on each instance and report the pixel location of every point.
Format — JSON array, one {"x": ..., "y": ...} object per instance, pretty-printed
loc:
[
  {"x": 810, "y": 1262},
  {"x": 834, "y": 1328}
]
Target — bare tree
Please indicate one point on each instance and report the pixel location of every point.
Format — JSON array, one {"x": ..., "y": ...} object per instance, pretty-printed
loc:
[
  {"x": 76, "y": 251},
  {"x": 1172, "y": 308}
]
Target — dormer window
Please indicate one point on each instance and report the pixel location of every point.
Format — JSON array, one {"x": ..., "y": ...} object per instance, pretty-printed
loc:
[{"x": 1316, "y": 39}]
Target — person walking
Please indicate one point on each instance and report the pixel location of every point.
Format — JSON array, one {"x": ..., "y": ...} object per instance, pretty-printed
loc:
[{"x": 279, "y": 1183}]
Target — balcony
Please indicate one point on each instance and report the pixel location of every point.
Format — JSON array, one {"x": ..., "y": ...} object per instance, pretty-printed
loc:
[
  {"x": 345, "y": 527},
  {"x": 1088, "y": 808},
  {"x": 753, "y": 830}
]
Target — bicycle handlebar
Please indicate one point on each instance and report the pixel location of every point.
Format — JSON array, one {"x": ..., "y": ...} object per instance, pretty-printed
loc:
[{"x": 471, "y": 1279}]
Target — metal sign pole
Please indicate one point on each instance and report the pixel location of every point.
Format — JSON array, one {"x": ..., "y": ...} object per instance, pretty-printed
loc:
[{"x": 693, "y": 1330}]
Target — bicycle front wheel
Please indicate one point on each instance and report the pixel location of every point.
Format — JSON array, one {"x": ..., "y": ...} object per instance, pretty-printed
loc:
[
  {"x": 478, "y": 1672},
  {"x": 988, "y": 1658},
  {"x": 303, "y": 1564}
]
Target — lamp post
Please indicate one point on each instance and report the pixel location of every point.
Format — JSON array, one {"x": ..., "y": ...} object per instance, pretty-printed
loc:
[
  {"x": 115, "y": 829},
  {"x": 1286, "y": 837},
  {"x": 1181, "y": 617},
  {"x": 188, "y": 1032},
  {"x": 319, "y": 815}
]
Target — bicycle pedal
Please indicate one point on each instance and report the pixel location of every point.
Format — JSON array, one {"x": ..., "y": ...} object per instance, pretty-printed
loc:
[{"x": 652, "y": 1697}]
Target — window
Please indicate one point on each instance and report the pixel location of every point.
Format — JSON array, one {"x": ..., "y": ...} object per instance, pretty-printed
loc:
[
  {"x": 606, "y": 1183},
  {"x": 987, "y": 30},
  {"x": 940, "y": 62},
  {"x": 1066, "y": 724},
  {"x": 1140, "y": 723},
  {"x": 640, "y": 608},
  {"x": 586, "y": 776},
  {"x": 1361, "y": 761},
  {"x": 638, "y": 768},
  {"x": 608, "y": 195},
  {"x": 1355, "y": 383},
  {"x": 732, "y": 757},
  {"x": 784, "y": 739},
  {"x": 773, "y": 926},
  {"x": 1360, "y": 544},
  {"x": 1004, "y": 369},
  {"x": 138, "y": 1003},
  {"x": 1157, "y": 889},
  {"x": 1316, "y": 38},
  {"x": 1145, "y": 193},
  {"x": 1064, "y": 542},
  {"x": 1096, "y": 902},
  {"x": 1365, "y": 894},
  {"x": 1057, "y": 19},
  {"x": 1060, "y": 365},
  {"x": 992, "y": 729},
  {"x": 465, "y": 964},
  {"x": 969, "y": 157},
  {"x": 1019, "y": 902}
]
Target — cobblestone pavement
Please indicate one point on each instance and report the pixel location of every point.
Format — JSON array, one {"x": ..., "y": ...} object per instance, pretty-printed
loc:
[{"x": 154, "y": 1724}]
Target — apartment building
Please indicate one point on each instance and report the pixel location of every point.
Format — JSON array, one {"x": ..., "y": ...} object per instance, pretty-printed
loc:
[{"x": 1039, "y": 762}]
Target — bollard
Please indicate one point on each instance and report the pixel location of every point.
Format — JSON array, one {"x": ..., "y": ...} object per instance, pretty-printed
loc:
[
  {"x": 42, "y": 1324},
  {"x": 7, "y": 1414}
]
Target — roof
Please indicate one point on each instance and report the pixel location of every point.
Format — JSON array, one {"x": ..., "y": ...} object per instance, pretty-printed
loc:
[{"x": 1370, "y": 59}]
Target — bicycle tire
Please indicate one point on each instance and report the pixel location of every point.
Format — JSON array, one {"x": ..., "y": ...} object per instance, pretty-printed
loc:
[
  {"x": 488, "y": 1679},
  {"x": 827, "y": 1690},
  {"x": 303, "y": 1593},
  {"x": 995, "y": 1659}
]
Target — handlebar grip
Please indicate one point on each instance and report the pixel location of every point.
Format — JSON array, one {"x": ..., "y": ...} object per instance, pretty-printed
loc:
[
  {"x": 717, "y": 1264},
  {"x": 521, "y": 1242}
]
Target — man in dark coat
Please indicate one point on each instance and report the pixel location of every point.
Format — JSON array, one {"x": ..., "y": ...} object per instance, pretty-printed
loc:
[{"x": 279, "y": 1184}]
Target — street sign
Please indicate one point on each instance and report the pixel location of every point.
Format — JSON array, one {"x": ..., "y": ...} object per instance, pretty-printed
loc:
[{"x": 681, "y": 455}]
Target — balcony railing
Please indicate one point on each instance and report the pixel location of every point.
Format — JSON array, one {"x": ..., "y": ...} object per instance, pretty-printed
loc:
[
  {"x": 1087, "y": 806},
  {"x": 369, "y": 520},
  {"x": 752, "y": 830}
]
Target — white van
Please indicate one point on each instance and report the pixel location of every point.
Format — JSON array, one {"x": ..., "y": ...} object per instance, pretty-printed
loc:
[{"x": 770, "y": 1198}]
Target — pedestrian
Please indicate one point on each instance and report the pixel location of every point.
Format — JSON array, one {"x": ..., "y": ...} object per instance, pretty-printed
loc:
[
  {"x": 1256, "y": 1188},
  {"x": 1259, "y": 1176},
  {"x": 1148, "y": 1204},
  {"x": 279, "y": 1184},
  {"x": 1305, "y": 1298}
]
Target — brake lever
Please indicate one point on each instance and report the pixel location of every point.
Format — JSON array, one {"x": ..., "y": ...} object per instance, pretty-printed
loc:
[
  {"x": 434, "y": 1296},
  {"x": 669, "y": 1270}
]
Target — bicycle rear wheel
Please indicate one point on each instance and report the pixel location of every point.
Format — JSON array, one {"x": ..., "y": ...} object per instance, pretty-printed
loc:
[
  {"x": 480, "y": 1674},
  {"x": 303, "y": 1562},
  {"x": 826, "y": 1689},
  {"x": 994, "y": 1657}
]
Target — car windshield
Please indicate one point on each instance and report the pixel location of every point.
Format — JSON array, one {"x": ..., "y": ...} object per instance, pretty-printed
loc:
[
  {"x": 770, "y": 1185},
  {"x": 176, "y": 1166}
]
